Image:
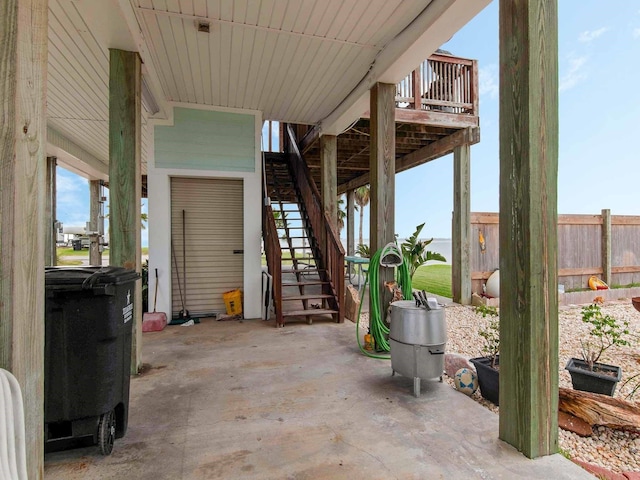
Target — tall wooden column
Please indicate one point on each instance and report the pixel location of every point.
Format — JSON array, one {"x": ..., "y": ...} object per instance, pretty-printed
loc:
[
  {"x": 528, "y": 226},
  {"x": 461, "y": 273},
  {"x": 606, "y": 245},
  {"x": 351, "y": 222},
  {"x": 383, "y": 169},
  {"x": 23, "y": 71},
  {"x": 95, "y": 221},
  {"x": 50, "y": 233},
  {"x": 124, "y": 175},
  {"x": 329, "y": 168}
]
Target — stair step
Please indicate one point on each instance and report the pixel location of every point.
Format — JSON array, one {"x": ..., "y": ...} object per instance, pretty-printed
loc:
[
  {"x": 310, "y": 282},
  {"x": 306, "y": 270},
  {"x": 307, "y": 297},
  {"x": 306, "y": 313}
]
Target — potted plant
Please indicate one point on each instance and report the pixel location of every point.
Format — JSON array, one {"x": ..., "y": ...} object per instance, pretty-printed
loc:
[
  {"x": 587, "y": 374},
  {"x": 487, "y": 367}
]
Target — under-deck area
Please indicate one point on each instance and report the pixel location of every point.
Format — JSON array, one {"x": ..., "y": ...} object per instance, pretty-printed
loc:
[{"x": 242, "y": 400}]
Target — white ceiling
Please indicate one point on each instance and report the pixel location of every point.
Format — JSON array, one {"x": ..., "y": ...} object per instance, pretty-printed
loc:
[{"x": 300, "y": 61}]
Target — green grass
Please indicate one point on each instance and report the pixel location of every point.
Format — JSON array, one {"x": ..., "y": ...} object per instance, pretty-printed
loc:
[
  {"x": 434, "y": 279},
  {"x": 70, "y": 252}
]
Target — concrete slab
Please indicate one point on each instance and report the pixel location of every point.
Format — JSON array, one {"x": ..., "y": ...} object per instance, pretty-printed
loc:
[{"x": 244, "y": 400}]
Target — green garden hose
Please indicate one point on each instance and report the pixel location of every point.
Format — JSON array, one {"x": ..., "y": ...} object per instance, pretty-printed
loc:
[{"x": 377, "y": 326}]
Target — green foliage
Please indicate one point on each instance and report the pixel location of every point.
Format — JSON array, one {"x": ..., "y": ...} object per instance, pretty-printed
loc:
[
  {"x": 491, "y": 333},
  {"x": 605, "y": 333},
  {"x": 416, "y": 253},
  {"x": 363, "y": 250}
]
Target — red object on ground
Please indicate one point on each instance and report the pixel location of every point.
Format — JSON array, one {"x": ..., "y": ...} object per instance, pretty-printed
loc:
[
  {"x": 154, "y": 321},
  {"x": 600, "y": 472}
]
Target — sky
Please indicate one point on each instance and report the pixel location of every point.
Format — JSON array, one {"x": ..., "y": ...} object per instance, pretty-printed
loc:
[{"x": 599, "y": 110}]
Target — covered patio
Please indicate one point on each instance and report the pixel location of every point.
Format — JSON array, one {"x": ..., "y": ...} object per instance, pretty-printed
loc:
[{"x": 243, "y": 400}]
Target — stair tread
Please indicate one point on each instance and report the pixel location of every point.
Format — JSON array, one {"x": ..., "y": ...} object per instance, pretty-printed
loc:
[
  {"x": 312, "y": 311},
  {"x": 311, "y": 282},
  {"x": 306, "y": 297}
]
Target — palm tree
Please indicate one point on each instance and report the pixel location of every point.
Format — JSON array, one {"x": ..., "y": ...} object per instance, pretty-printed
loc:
[
  {"x": 362, "y": 197},
  {"x": 341, "y": 213}
]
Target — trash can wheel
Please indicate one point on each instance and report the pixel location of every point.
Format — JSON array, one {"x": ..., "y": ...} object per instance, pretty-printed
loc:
[{"x": 107, "y": 432}]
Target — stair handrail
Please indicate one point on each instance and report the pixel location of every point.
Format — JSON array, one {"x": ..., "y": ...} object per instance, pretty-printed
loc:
[
  {"x": 331, "y": 249},
  {"x": 273, "y": 252}
]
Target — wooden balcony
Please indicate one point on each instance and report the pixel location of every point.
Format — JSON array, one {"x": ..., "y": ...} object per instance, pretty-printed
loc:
[{"x": 436, "y": 110}]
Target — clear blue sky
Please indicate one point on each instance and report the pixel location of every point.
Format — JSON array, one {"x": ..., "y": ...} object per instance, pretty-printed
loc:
[{"x": 599, "y": 48}]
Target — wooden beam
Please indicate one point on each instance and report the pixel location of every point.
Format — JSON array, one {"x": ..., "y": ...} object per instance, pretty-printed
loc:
[
  {"x": 437, "y": 149},
  {"x": 461, "y": 230},
  {"x": 351, "y": 213},
  {"x": 23, "y": 132},
  {"x": 382, "y": 168},
  {"x": 125, "y": 135},
  {"x": 329, "y": 175},
  {"x": 432, "y": 117},
  {"x": 606, "y": 245},
  {"x": 95, "y": 255},
  {"x": 528, "y": 226},
  {"x": 310, "y": 138},
  {"x": 50, "y": 233}
]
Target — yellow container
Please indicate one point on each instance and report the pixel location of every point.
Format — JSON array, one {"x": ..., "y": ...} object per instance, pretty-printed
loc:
[{"x": 233, "y": 301}]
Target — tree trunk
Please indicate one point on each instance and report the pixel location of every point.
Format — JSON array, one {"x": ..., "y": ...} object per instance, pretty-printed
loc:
[
  {"x": 598, "y": 409},
  {"x": 361, "y": 222}
]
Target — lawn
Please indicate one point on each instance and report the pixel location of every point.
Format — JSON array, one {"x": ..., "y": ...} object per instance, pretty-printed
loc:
[{"x": 434, "y": 279}]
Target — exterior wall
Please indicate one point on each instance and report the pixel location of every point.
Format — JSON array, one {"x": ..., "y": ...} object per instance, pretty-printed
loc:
[{"x": 211, "y": 162}]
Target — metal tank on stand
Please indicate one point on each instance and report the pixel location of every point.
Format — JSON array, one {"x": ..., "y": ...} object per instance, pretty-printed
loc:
[{"x": 418, "y": 335}]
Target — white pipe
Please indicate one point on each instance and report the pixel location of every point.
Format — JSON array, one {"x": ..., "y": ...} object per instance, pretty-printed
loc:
[{"x": 13, "y": 464}]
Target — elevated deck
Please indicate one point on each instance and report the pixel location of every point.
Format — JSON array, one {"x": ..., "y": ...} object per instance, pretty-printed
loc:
[{"x": 436, "y": 110}]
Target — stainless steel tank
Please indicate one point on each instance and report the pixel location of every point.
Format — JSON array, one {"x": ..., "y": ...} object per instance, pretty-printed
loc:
[{"x": 417, "y": 339}]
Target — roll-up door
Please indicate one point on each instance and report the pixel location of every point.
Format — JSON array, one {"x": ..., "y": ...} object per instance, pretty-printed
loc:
[{"x": 207, "y": 229}]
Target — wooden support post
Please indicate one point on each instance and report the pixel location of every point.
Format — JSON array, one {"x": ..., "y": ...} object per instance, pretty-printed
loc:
[
  {"x": 50, "y": 233},
  {"x": 329, "y": 168},
  {"x": 95, "y": 202},
  {"x": 528, "y": 226},
  {"x": 417, "y": 84},
  {"x": 23, "y": 130},
  {"x": 382, "y": 167},
  {"x": 461, "y": 234},
  {"x": 124, "y": 176},
  {"x": 351, "y": 213},
  {"x": 606, "y": 246}
]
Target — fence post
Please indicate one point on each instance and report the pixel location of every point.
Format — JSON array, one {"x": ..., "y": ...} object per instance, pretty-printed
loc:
[{"x": 606, "y": 245}]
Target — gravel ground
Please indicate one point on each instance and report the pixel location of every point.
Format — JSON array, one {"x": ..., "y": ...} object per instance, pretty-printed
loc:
[{"x": 616, "y": 450}]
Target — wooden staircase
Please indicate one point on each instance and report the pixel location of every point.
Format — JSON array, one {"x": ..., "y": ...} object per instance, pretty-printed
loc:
[{"x": 305, "y": 288}]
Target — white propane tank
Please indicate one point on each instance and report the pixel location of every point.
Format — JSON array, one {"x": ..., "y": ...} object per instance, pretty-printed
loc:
[{"x": 493, "y": 285}]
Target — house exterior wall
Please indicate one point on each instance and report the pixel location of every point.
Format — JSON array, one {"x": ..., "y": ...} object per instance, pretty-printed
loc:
[{"x": 208, "y": 143}]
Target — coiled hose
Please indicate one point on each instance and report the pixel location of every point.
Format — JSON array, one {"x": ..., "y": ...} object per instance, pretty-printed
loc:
[
  {"x": 377, "y": 326},
  {"x": 13, "y": 465}
]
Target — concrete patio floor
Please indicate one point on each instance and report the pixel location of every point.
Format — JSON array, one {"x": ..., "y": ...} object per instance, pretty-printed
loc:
[{"x": 244, "y": 400}]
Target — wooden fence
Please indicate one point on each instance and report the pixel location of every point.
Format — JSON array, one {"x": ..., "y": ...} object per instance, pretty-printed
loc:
[{"x": 605, "y": 245}]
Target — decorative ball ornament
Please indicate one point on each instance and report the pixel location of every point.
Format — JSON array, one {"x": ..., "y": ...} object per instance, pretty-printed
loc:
[{"x": 466, "y": 381}]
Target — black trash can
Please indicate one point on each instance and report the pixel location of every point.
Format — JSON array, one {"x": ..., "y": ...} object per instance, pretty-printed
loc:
[
  {"x": 88, "y": 316},
  {"x": 76, "y": 244}
]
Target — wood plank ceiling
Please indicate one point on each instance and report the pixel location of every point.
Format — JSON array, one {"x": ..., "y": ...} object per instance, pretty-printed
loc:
[{"x": 294, "y": 60}]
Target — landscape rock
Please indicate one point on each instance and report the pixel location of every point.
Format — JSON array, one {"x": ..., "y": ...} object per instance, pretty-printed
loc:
[
  {"x": 632, "y": 475},
  {"x": 574, "y": 424},
  {"x": 454, "y": 362},
  {"x": 600, "y": 472}
]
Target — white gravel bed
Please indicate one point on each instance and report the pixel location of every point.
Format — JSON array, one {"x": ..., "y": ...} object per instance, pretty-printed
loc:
[{"x": 613, "y": 449}]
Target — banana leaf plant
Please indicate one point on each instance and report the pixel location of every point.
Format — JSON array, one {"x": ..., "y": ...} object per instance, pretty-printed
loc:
[{"x": 415, "y": 251}]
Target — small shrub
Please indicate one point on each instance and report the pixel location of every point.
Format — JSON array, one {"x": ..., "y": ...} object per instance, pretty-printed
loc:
[
  {"x": 605, "y": 333},
  {"x": 491, "y": 333}
]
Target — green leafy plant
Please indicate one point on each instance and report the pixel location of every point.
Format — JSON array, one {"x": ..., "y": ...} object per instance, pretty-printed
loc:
[
  {"x": 363, "y": 250},
  {"x": 145, "y": 286},
  {"x": 605, "y": 333},
  {"x": 416, "y": 253},
  {"x": 490, "y": 333}
]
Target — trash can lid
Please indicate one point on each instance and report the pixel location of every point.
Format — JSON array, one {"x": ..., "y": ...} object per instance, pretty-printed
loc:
[{"x": 88, "y": 275}]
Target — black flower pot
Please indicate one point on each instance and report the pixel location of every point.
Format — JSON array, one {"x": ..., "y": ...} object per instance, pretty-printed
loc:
[
  {"x": 488, "y": 378},
  {"x": 602, "y": 380}
]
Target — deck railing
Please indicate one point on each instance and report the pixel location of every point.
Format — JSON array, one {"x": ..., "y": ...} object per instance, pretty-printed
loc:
[
  {"x": 331, "y": 250},
  {"x": 443, "y": 84},
  {"x": 273, "y": 253}
]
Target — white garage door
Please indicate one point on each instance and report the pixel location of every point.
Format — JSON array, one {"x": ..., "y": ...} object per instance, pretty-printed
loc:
[{"x": 207, "y": 229}]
